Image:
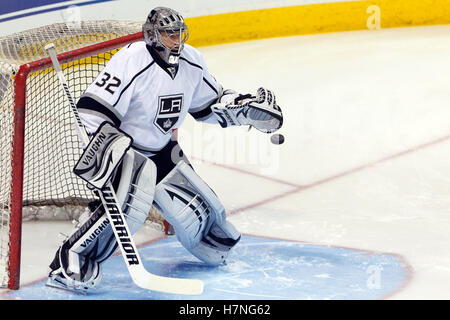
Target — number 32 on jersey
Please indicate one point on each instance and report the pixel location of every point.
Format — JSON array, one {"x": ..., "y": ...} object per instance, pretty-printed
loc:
[{"x": 111, "y": 83}]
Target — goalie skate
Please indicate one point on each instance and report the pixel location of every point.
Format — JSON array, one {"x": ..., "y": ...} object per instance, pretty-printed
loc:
[
  {"x": 58, "y": 281},
  {"x": 58, "y": 278}
]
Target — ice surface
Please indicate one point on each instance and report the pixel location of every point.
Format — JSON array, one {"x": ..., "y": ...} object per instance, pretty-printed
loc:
[{"x": 366, "y": 159}]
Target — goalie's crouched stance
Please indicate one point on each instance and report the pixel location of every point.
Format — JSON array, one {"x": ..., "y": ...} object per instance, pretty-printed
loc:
[{"x": 182, "y": 197}]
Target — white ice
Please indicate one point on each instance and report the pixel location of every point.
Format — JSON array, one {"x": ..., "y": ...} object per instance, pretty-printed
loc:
[{"x": 366, "y": 162}]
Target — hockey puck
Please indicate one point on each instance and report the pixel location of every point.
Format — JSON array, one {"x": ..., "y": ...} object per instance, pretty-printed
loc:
[{"x": 277, "y": 138}]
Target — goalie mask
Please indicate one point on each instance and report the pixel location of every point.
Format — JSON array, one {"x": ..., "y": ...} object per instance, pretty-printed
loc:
[{"x": 166, "y": 31}]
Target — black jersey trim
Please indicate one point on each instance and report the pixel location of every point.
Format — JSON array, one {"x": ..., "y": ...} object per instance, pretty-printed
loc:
[
  {"x": 129, "y": 83},
  {"x": 191, "y": 63},
  {"x": 204, "y": 79},
  {"x": 204, "y": 113},
  {"x": 87, "y": 103},
  {"x": 201, "y": 114},
  {"x": 161, "y": 63},
  {"x": 211, "y": 86}
]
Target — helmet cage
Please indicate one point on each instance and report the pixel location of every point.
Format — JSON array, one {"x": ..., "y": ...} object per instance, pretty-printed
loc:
[{"x": 166, "y": 31}]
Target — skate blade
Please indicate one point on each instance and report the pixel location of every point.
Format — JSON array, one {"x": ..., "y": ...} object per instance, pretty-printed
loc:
[{"x": 54, "y": 283}]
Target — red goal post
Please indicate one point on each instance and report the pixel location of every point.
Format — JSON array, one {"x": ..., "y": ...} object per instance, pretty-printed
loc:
[{"x": 36, "y": 132}]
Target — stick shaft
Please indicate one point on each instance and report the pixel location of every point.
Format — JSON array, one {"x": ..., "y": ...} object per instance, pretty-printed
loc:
[{"x": 52, "y": 53}]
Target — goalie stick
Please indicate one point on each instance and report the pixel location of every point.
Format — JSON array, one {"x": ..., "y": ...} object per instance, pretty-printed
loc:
[{"x": 139, "y": 274}]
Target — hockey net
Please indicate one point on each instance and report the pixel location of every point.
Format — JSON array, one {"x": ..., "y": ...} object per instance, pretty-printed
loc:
[{"x": 39, "y": 145}]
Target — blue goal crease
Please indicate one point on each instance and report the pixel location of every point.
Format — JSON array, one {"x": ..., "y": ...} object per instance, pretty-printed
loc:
[{"x": 257, "y": 269}]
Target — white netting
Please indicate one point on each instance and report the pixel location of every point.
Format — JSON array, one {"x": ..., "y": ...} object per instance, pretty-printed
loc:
[
  {"x": 50, "y": 191},
  {"x": 26, "y": 46}
]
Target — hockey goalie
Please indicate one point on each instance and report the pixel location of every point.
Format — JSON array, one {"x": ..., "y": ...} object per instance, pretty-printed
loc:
[{"x": 130, "y": 111}]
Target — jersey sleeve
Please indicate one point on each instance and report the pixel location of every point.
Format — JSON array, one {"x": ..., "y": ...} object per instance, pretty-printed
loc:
[
  {"x": 109, "y": 95},
  {"x": 208, "y": 91}
]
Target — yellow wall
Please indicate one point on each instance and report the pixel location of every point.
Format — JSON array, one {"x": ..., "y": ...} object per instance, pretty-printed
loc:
[{"x": 315, "y": 18}]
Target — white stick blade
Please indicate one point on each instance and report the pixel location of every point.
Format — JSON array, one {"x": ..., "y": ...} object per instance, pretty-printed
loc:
[{"x": 154, "y": 282}]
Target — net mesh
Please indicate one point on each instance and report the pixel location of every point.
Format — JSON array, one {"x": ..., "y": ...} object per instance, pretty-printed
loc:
[{"x": 50, "y": 189}]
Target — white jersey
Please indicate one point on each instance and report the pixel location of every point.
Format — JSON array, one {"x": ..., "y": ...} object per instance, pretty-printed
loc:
[{"x": 141, "y": 95}]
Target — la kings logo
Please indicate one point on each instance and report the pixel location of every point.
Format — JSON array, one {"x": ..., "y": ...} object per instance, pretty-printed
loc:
[{"x": 169, "y": 108}]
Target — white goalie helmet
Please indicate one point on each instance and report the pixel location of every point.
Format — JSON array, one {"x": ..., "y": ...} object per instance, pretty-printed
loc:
[{"x": 166, "y": 31}]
